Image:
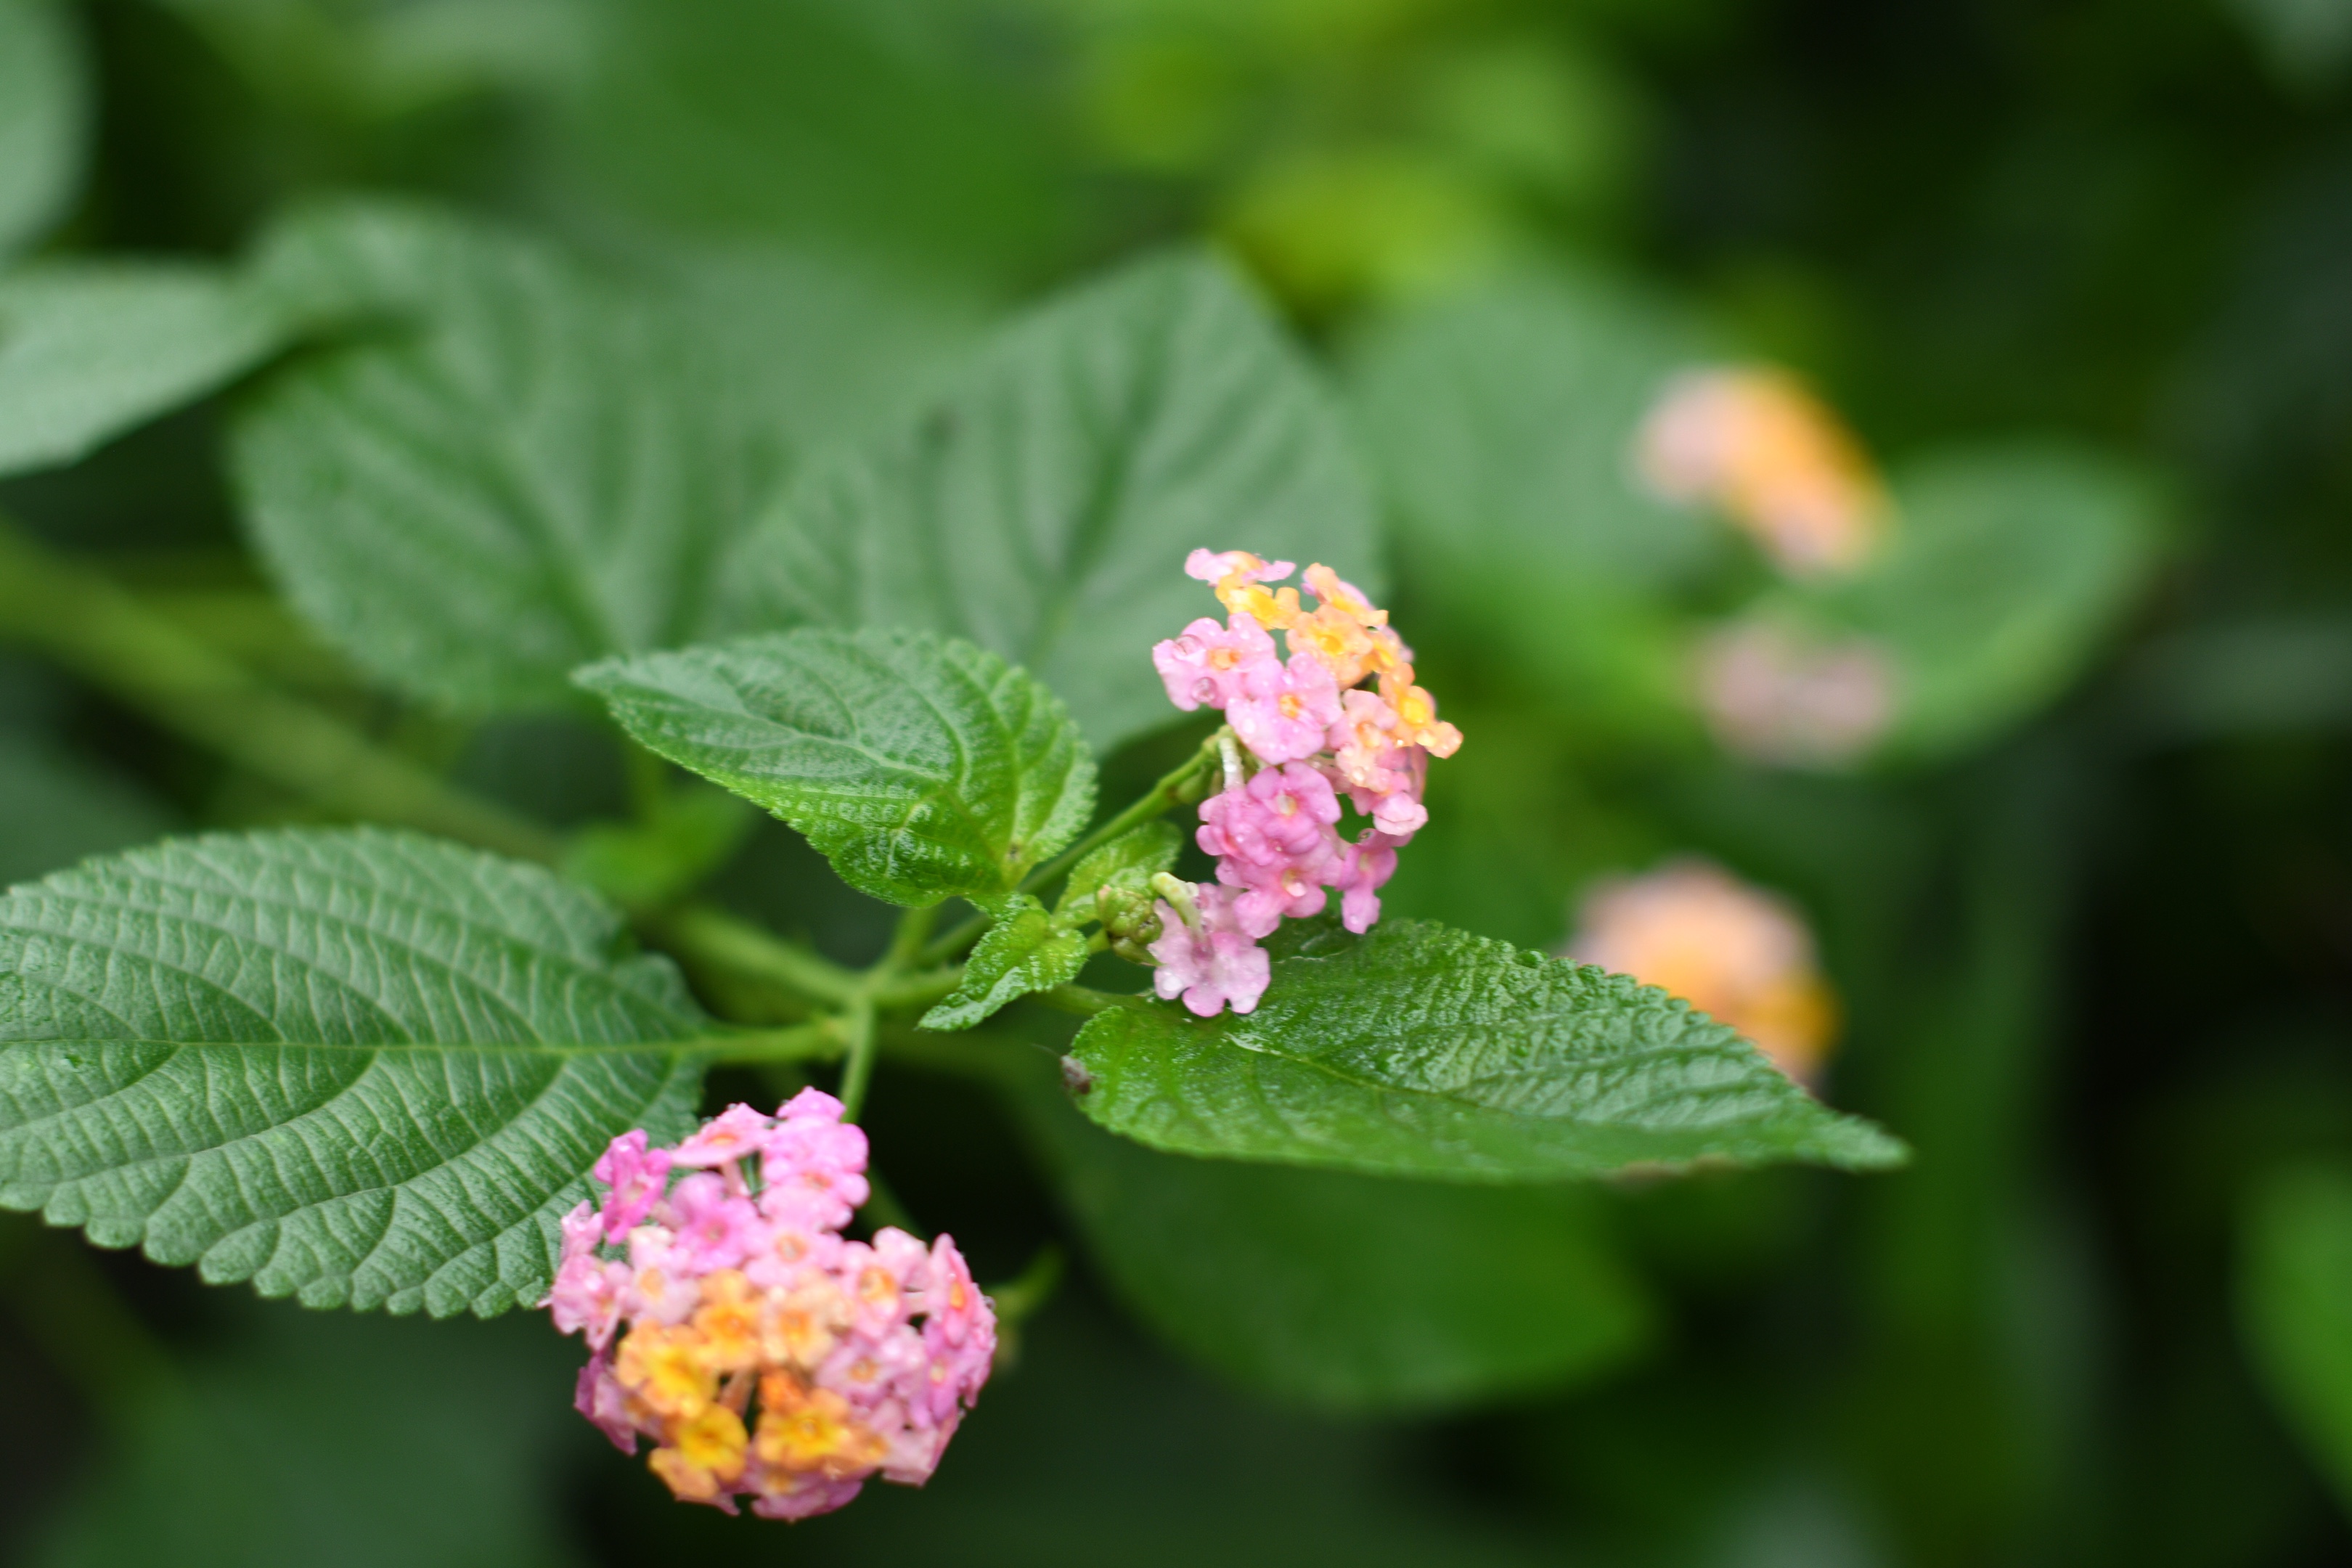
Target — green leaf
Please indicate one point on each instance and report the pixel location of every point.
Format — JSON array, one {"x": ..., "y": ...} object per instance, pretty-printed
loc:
[
  {"x": 1128, "y": 860},
  {"x": 649, "y": 864},
  {"x": 2010, "y": 568},
  {"x": 1025, "y": 952},
  {"x": 44, "y": 118},
  {"x": 542, "y": 469},
  {"x": 1503, "y": 423},
  {"x": 91, "y": 348},
  {"x": 1504, "y": 420},
  {"x": 1419, "y": 1050},
  {"x": 55, "y": 809},
  {"x": 1343, "y": 1290},
  {"x": 2294, "y": 1303},
  {"x": 362, "y": 1068},
  {"x": 1043, "y": 508},
  {"x": 920, "y": 768},
  {"x": 849, "y": 128}
]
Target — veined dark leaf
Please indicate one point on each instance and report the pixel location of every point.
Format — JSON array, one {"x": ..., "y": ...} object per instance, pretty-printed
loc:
[
  {"x": 922, "y": 768},
  {"x": 1044, "y": 507},
  {"x": 524, "y": 470},
  {"x": 44, "y": 111},
  {"x": 362, "y": 1068},
  {"x": 89, "y": 349},
  {"x": 1356, "y": 1292},
  {"x": 1023, "y": 953},
  {"x": 1418, "y": 1050}
]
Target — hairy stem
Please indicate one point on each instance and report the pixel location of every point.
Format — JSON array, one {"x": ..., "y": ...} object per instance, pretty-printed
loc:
[
  {"x": 106, "y": 636},
  {"x": 820, "y": 1041},
  {"x": 1155, "y": 803},
  {"x": 858, "y": 1072},
  {"x": 703, "y": 935}
]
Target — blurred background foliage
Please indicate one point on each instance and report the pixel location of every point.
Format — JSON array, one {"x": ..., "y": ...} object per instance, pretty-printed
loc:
[{"x": 2078, "y": 273}]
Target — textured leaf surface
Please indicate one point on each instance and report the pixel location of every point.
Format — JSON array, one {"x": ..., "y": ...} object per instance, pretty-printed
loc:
[
  {"x": 1023, "y": 953},
  {"x": 362, "y": 1068},
  {"x": 89, "y": 349},
  {"x": 922, "y": 768},
  {"x": 539, "y": 470},
  {"x": 1420, "y": 1050},
  {"x": 1044, "y": 507},
  {"x": 1128, "y": 860},
  {"x": 2295, "y": 1302},
  {"x": 2009, "y": 569},
  {"x": 44, "y": 107},
  {"x": 1337, "y": 1289}
]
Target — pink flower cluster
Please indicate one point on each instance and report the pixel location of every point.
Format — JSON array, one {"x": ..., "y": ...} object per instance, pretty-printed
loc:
[
  {"x": 731, "y": 1287},
  {"x": 1310, "y": 734}
]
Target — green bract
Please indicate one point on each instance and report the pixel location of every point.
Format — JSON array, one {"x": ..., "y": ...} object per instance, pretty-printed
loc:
[
  {"x": 89, "y": 349},
  {"x": 1044, "y": 507},
  {"x": 523, "y": 469},
  {"x": 1025, "y": 952},
  {"x": 362, "y": 1067},
  {"x": 922, "y": 768},
  {"x": 1417, "y": 1050}
]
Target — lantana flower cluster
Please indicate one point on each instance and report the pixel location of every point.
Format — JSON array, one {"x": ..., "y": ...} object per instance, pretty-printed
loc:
[
  {"x": 1339, "y": 717},
  {"x": 728, "y": 1321}
]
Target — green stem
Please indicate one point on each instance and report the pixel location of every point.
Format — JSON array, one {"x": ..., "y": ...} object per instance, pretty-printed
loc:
[
  {"x": 906, "y": 941},
  {"x": 918, "y": 990},
  {"x": 1155, "y": 803},
  {"x": 1021, "y": 1295},
  {"x": 858, "y": 1072},
  {"x": 702, "y": 934},
  {"x": 110, "y": 639},
  {"x": 820, "y": 1041}
]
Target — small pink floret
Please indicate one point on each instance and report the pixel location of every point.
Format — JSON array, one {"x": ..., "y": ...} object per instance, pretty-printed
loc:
[
  {"x": 1205, "y": 664},
  {"x": 635, "y": 1176},
  {"x": 1215, "y": 565},
  {"x": 730, "y": 1135},
  {"x": 1283, "y": 711},
  {"x": 1213, "y": 967}
]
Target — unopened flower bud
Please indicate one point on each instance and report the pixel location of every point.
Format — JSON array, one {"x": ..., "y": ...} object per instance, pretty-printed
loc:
[{"x": 1129, "y": 919}]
